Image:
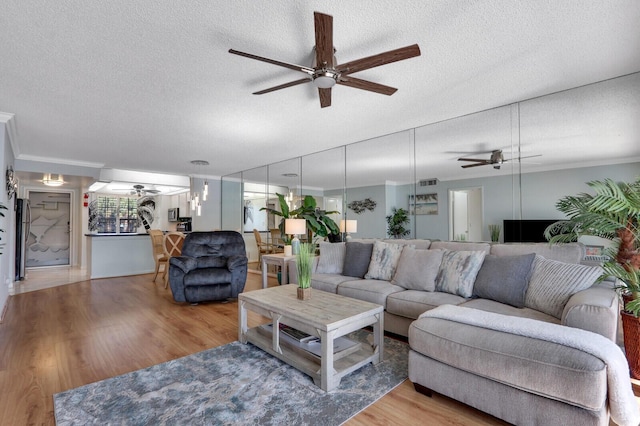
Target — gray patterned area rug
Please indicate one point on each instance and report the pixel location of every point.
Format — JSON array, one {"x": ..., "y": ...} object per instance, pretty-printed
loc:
[{"x": 228, "y": 385}]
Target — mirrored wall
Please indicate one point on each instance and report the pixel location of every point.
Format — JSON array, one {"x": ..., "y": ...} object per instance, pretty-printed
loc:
[{"x": 458, "y": 176}]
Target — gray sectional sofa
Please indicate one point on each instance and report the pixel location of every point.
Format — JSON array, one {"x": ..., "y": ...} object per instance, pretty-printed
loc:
[{"x": 494, "y": 325}]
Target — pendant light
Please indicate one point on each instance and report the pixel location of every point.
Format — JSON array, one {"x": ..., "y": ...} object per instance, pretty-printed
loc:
[{"x": 196, "y": 205}]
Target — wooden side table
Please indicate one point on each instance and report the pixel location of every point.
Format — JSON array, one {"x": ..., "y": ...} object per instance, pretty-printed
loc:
[{"x": 278, "y": 259}]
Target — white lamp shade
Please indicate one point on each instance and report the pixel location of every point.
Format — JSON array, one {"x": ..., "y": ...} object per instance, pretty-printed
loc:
[
  {"x": 295, "y": 226},
  {"x": 348, "y": 225}
]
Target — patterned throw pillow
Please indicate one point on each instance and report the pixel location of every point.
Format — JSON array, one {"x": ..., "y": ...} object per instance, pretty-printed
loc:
[
  {"x": 384, "y": 260},
  {"x": 331, "y": 258},
  {"x": 553, "y": 283},
  {"x": 458, "y": 272},
  {"x": 417, "y": 269}
]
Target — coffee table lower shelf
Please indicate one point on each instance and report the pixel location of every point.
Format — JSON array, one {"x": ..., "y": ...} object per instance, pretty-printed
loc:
[{"x": 344, "y": 362}]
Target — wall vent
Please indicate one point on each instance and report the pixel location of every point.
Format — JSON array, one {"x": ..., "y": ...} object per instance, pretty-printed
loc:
[{"x": 428, "y": 182}]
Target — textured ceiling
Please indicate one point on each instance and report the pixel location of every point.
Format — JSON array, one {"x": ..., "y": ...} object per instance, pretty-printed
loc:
[{"x": 149, "y": 85}]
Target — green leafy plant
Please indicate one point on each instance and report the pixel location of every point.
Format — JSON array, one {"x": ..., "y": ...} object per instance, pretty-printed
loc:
[
  {"x": 304, "y": 262},
  {"x": 494, "y": 231},
  {"x": 318, "y": 221},
  {"x": 396, "y": 221},
  {"x": 612, "y": 213},
  {"x": 2, "y": 207}
]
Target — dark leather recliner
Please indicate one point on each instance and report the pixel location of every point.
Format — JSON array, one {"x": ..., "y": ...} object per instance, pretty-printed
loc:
[{"x": 212, "y": 266}]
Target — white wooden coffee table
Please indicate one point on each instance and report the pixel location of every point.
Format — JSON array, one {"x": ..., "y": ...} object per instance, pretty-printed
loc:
[{"x": 327, "y": 316}]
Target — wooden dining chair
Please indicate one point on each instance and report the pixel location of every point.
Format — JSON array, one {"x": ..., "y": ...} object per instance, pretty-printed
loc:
[
  {"x": 157, "y": 242},
  {"x": 263, "y": 248},
  {"x": 172, "y": 245},
  {"x": 277, "y": 242}
]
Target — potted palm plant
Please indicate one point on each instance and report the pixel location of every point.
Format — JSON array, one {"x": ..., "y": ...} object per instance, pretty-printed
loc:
[
  {"x": 612, "y": 213},
  {"x": 304, "y": 262}
]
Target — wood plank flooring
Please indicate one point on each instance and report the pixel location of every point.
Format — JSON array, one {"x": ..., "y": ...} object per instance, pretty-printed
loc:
[{"x": 59, "y": 338}]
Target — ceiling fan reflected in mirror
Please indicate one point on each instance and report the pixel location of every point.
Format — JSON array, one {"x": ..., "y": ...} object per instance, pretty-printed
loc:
[
  {"x": 139, "y": 190},
  {"x": 326, "y": 72},
  {"x": 496, "y": 160}
]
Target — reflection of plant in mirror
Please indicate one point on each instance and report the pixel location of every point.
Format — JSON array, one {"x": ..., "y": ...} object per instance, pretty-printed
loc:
[
  {"x": 494, "y": 231},
  {"x": 396, "y": 221},
  {"x": 318, "y": 223}
]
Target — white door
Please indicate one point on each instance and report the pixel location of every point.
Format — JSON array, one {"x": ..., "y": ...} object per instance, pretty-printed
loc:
[
  {"x": 49, "y": 237},
  {"x": 465, "y": 214}
]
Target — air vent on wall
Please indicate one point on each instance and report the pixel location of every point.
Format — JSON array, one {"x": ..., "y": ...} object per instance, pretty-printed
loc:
[{"x": 428, "y": 182}]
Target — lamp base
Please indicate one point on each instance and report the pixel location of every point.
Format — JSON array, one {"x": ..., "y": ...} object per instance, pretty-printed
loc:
[
  {"x": 287, "y": 250},
  {"x": 295, "y": 246}
]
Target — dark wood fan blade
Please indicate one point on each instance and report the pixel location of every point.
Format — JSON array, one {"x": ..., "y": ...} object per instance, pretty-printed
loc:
[
  {"x": 473, "y": 159},
  {"x": 325, "y": 97},
  {"x": 283, "y": 86},
  {"x": 324, "y": 39},
  {"x": 379, "y": 59},
  {"x": 294, "y": 67},
  {"x": 367, "y": 85},
  {"x": 466, "y": 166}
]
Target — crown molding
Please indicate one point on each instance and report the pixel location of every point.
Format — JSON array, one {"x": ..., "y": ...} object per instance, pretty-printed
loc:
[{"x": 60, "y": 161}]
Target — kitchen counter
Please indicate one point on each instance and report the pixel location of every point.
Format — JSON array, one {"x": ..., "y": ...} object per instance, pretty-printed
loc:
[{"x": 115, "y": 255}]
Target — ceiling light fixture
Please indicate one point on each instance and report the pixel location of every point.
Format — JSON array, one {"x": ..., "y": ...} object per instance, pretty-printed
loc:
[
  {"x": 195, "y": 196},
  {"x": 52, "y": 179}
]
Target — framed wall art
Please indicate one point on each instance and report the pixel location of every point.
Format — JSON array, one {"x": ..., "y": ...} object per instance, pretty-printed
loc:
[{"x": 423, "y": 204}]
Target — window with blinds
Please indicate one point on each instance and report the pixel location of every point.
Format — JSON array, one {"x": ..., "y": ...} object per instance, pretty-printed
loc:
[{"x": 117, "y": 215}]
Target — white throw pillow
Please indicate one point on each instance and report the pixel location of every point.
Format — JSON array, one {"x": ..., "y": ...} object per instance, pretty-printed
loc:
[
  {"x": 331, "y": 258},
  {"x": 384, "y": 260},
  {"x": 553, "y": 283},
  {"x": 417, "y": 269},
  {"x": 458, "y": 272}
]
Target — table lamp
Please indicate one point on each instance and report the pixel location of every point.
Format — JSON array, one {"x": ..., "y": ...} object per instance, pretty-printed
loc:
[
  {"x": 348, "y": 226},
  {"x": 295, "y": 227}
]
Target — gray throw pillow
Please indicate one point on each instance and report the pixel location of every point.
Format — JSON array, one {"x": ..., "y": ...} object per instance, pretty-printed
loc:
[
  {"x": 504, "y": 279},
  {"x": 458, "y": 272},
  {"x": 356, "y": 259},
  {"x": 384, "y": 260},
  {"x": 331, "y": 258},
  {"x": 553, "y": 283},
  {"x": 417, "y": 269}
]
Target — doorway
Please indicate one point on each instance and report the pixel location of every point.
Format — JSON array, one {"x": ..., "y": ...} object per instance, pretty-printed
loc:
[
  {"x": 49, "y": 239},
  {"x": 465, "y": 214}
]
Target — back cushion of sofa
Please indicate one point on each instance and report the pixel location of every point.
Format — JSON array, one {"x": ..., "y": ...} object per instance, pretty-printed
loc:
[
  {"x": 384, "y": 260},
  {"x": 567, "y": 253},
  {"x": 504, "y": 279},
  {"x": 553, "y": 283},
  {"x": 356, "y": 259},
  {"x": 460, "y": 246},
  {"x": 419, "y": 244},
  {"x": 331, "y": 258},
  {"x": 417, "y": 269}
]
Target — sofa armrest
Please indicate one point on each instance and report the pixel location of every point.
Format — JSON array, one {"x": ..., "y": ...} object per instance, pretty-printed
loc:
[
  {"x": 236, "y": 261},
  {"x": 594, "y": 309},
  {"x": 184, "y": 263}
]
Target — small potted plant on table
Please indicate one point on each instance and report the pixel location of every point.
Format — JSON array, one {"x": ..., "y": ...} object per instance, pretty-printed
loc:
[{"x": 304, "y": 261}]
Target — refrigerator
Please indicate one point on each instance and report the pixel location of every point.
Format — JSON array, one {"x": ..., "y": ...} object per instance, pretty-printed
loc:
[{"x": 23, "y": 222}]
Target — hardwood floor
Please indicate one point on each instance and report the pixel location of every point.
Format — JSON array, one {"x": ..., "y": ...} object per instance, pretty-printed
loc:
[{"x": 67, "y": 336}]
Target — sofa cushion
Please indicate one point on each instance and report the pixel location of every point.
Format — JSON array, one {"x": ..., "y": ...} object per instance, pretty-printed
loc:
[
  {"x": 568, "y": 253},
  {"x": 460, "y": 246},
  {"x": 553, "y": 283},
  {"x": 413, "y": 303},
  {"x": 417, "y": 243},
  {"x": 384, "y": 260},
  {"x": 212, "y": 261},
  {"x": 328, "y": 282},
  {"x": 331, "y": 258},
  {"x": 537, "y": 366},
  {"x": 374, "y": 291},
  {"x": 458, "y": 272},
  {"x": 356, "y": 259},
  {"x": 417, "y": 269},
  {"x": 501, "y": 308},
  {"x": 207, "y": 276},
  {"x": 504, "y": 279}
]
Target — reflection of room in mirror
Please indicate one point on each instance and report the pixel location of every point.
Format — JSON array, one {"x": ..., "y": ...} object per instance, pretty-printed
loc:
[{"x": 48, "y": 242}]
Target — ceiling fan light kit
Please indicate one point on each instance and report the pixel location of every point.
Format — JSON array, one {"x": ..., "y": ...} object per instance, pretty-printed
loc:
[
  {"x": 496, "y": 160},
  {"x": 326, "y": 73}
]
